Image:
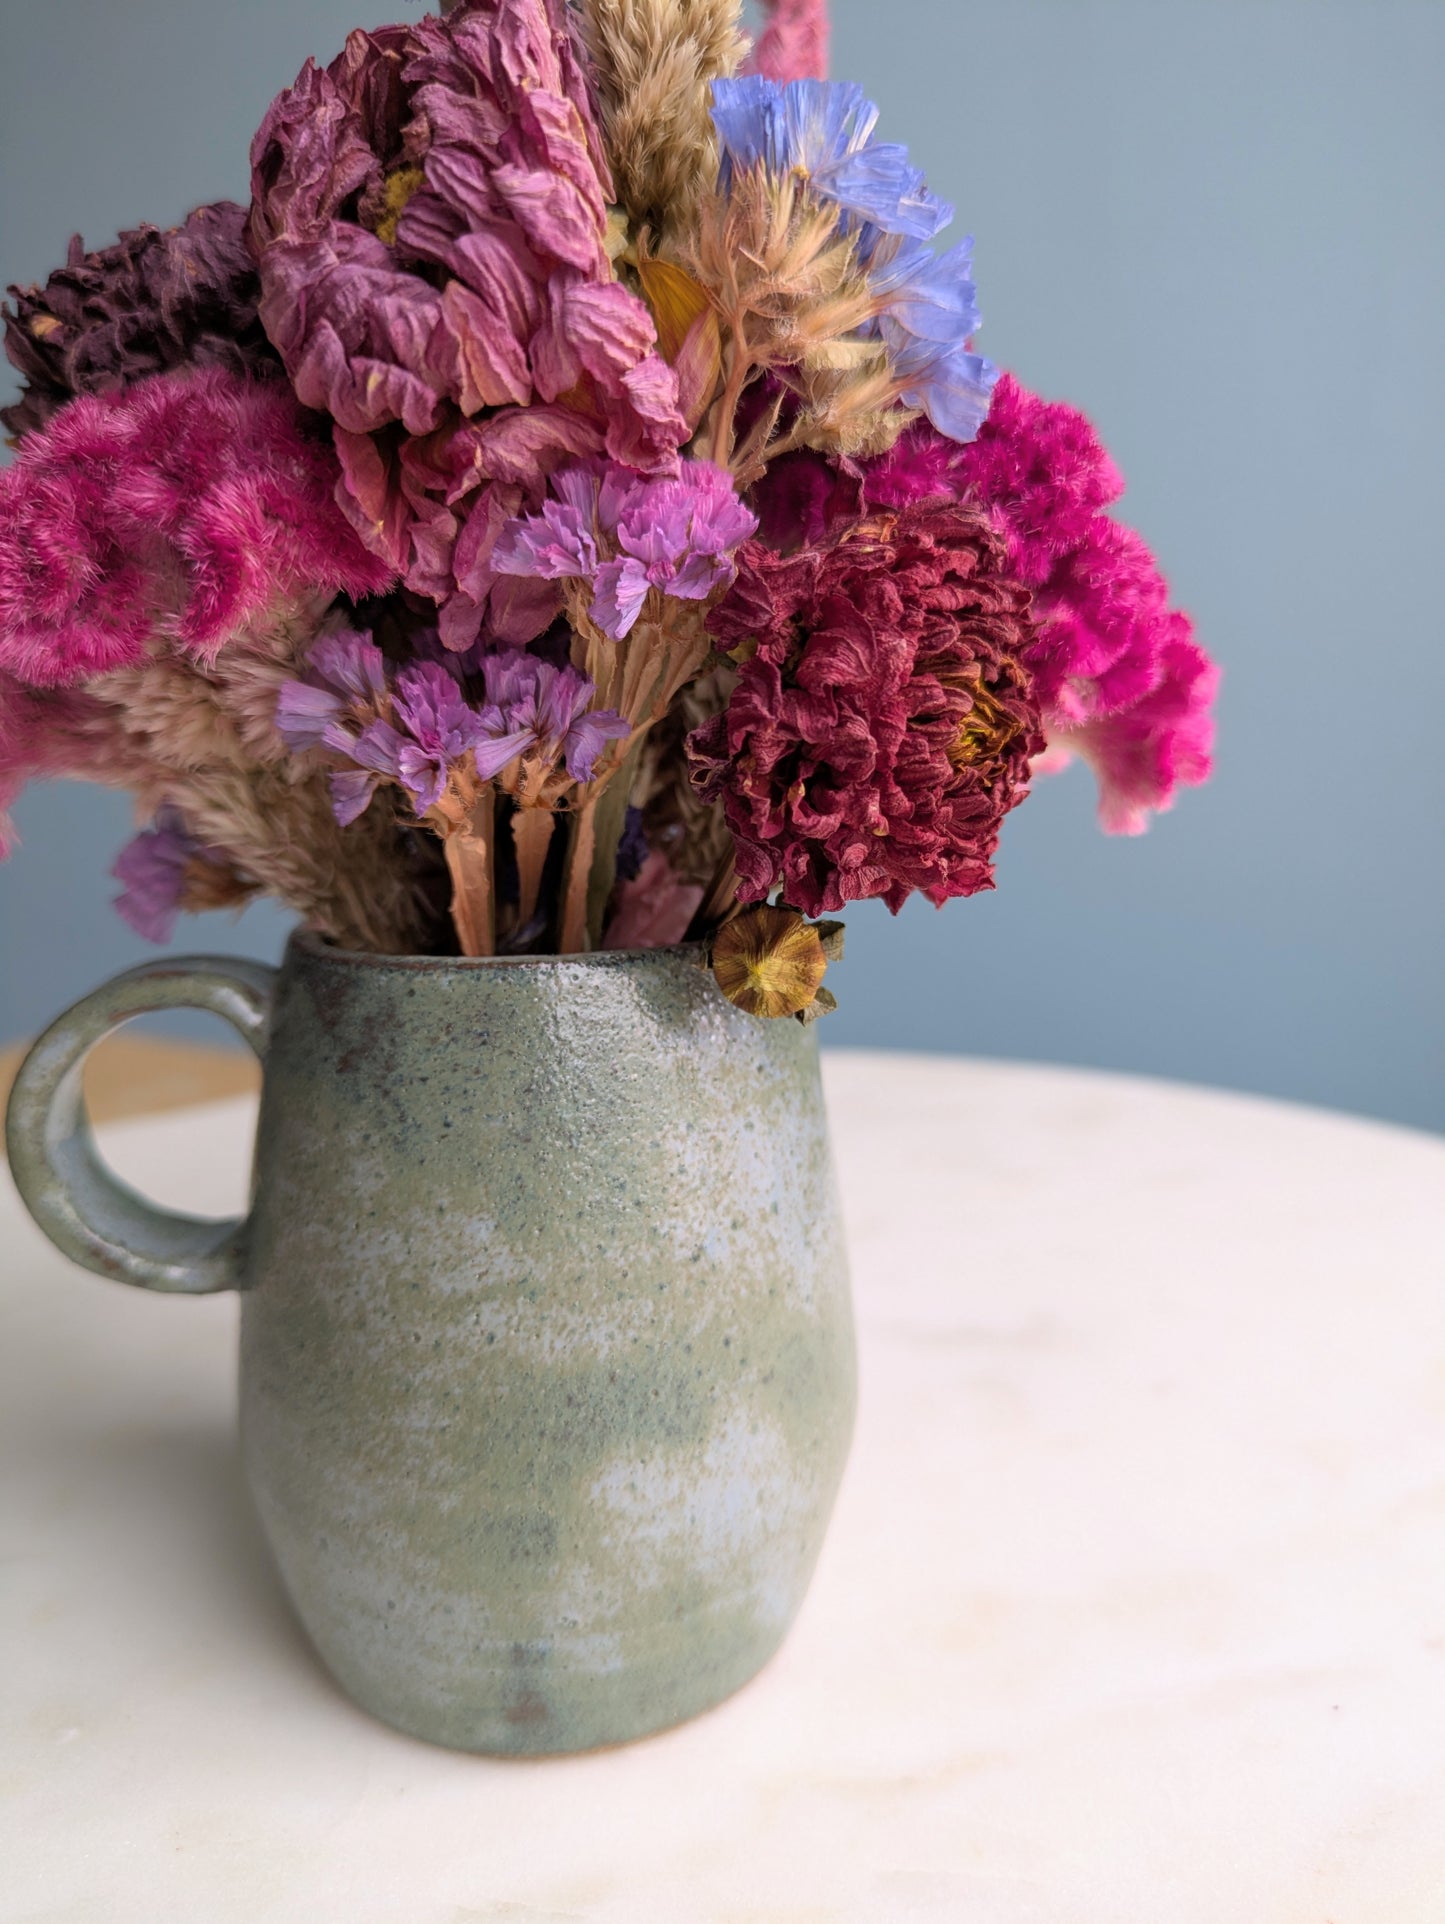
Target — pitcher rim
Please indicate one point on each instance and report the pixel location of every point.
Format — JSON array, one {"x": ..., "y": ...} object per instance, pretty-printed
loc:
[{"x": 321, "y": 949}]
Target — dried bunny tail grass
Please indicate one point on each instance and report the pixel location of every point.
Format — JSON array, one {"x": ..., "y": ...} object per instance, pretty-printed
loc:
[
  {"x": 353, "y": 885},
  {"x": 183, "y": 713},
  {"x": 692, "y": 833},
  {"x": 201, "y": 739},
  {"x": 654, "y": 62}
]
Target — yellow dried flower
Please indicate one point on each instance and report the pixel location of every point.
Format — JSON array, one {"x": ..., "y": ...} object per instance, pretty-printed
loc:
[{"x": 771, "y": 962}]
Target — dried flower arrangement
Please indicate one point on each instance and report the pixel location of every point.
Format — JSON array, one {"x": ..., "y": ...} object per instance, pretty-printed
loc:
[{"x": 566, "y": 510}]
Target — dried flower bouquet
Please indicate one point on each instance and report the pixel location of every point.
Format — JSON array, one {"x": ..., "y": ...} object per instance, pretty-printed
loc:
[{"x": 566, "y": 510}]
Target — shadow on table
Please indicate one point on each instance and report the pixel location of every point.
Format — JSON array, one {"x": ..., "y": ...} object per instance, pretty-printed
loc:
[{"x": 183, "y": 1552}]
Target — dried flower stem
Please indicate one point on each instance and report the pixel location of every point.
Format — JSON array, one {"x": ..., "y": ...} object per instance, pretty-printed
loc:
[
  {"x": 740, "y": 366},
  {"x": 470, "y": 852},
  {"x": 721, "y": 900},
  {"x": 531, "y": 838},
  {"x": 574, "y": 940}
]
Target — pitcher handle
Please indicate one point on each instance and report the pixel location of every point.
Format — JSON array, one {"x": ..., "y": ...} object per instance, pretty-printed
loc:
[{"x": 87, "y": 1212}]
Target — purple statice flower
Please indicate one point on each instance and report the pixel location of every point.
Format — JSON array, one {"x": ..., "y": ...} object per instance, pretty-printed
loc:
[
  {"x": 411, "y": 729},
  {"x": 822, "y": 132},
  {"x": 343, "y": 671},
  {"x": 429, "y": 728},
  {"x": 153, "y": 870},
  {"x": 536, "y": 708},
  {"x": 437, "y": 727},
  {"x": 627, "y": 533}
]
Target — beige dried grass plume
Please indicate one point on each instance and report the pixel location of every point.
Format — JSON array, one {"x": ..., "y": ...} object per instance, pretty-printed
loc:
[
  {"x": 201, "y": 738},
  {"x": 654, "y": 62}
]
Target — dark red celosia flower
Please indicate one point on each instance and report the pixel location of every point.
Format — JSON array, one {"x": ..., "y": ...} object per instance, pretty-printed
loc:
[
  {"x": 1117, "y": 673},
  {"x": 153, "y": 301},
  {"x": 883, "y": 723}
]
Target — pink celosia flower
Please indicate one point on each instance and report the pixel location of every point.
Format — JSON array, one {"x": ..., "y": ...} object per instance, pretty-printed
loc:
[
  {"x": 794, "y": 43},
  {"x": 1143, "y": 753},
  {"x": 628, "y": 534},
  {"x": 1116, "y": 671},
  {"x": 883, "y": 723},
  {"x": 430, "y": 216},
  {"x": 185, "y": 506},
  {"x": 1038, "y": 466},
  {"x": 42, "y": 735}
]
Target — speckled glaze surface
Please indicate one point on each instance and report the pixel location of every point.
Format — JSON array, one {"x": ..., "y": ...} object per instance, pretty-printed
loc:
[{"x": 547, "y": 1371}]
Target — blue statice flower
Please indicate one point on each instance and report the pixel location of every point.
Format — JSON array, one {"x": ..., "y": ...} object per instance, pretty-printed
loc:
[
  {"x": 823, "y": 130},
  {"x": 928, "y": 310},
  {"x": 926, "y": 325}
]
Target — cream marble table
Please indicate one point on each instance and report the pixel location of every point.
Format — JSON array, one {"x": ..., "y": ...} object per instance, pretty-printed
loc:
[{"x": 1133, "y": 1612}]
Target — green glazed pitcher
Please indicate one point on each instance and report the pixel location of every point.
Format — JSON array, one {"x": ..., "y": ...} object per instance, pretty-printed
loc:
[{"x": 547, "y": 1371}]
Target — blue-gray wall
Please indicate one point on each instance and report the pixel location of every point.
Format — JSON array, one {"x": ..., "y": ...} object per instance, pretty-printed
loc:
[{"x": 1216, "y": 226}]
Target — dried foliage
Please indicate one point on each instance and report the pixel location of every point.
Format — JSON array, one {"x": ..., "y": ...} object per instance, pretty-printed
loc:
[
  {"x": 692, "y": 833},
  {"x": 792, "y": 296}
]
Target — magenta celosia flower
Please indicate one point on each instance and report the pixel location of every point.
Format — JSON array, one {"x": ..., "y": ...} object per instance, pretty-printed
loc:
[
  {"x": 883, "y": 722},
  {"x": 1116, "y": 671},
  {"x": 430, "y": 217},
  {"x": 1143, "y": 753},
  {"x": 534, "y": 708},
  {"x": 153, "y": 869},
  {"x": 1038, "y": 466},
  {"x": 186, "y": 505},
  {"x": 150, "y": 302},
  {"x": 628, "y": 534}
]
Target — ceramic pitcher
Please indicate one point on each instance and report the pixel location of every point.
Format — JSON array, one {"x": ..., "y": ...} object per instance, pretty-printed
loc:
[{"x": 546, "y": 1350}]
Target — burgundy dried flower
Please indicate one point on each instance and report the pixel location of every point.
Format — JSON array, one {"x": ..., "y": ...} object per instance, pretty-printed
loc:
[
  {"x": 150, "y": 302},
  {"x": 430, "y": 216},
  {"x": 186, "y": 505},
  {"x": 883, "y": 722}
]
